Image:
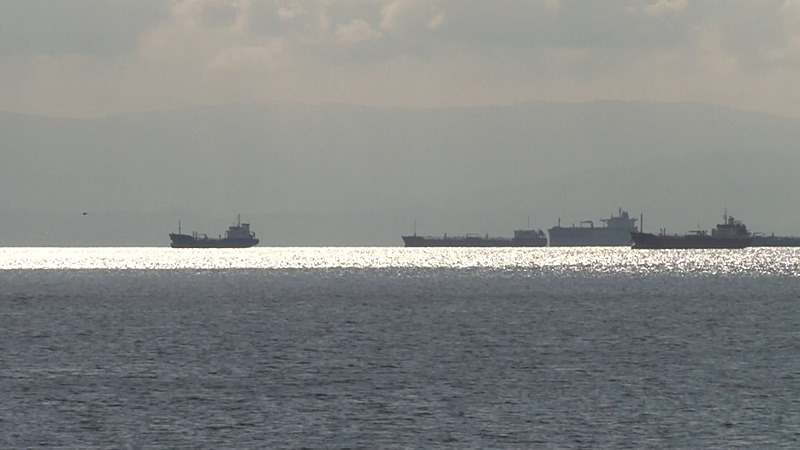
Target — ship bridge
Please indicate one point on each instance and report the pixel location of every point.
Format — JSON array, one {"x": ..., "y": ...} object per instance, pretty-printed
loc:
[{"x": 623, "y": 220}]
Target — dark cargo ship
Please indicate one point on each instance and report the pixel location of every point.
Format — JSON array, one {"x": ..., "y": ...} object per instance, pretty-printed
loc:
[
  {"x": 522, "y": 238},
  {"x": 731, "y": 233},
  {"x": 237, "y": 236},
  {"x": 616, "y": 231}
]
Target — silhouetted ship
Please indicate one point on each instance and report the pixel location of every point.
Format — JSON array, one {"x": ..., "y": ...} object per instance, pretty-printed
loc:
[
  {"x": 237, "y": 236},
  {"x": 522, "y": 238},
  {"x": 615, "y": 232},
  {"x": 762, "y": 240},
  {"x": 729, "y": 234}
]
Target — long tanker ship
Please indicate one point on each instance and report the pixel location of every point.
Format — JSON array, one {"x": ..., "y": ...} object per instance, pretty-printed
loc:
[
  {"x": 237, "y": 236},
  {"x": 522, "y": 238},
  {"x": 731, "y": 233},
  {"x": 615, "y": 232}
]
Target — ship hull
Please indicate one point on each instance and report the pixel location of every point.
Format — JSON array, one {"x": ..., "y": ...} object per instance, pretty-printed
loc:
[
  {"x": 469, "y": 241},
  {"x": 776, "y": 241},
  {"x": 651, "y": 241},
  {"x": 188, "y": 241},
  {"x": 589, "y": 237}
]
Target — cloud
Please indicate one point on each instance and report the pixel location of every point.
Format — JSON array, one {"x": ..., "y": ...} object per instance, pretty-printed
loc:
[
  {"x": 392, "y": 13},
  {"x": 212, "y": 14},
  {"x": 663, "y": 6},
  {"x": 146, "y": 55},
  {"x": 552, "y": 5},
  {"x": 292, "y": 10},
  {"x": 260, "y": 58},
  {"x": 788, "y": 53},
  {"x": 436, "y": 21},
  {"x": 356, "y": 31},
  {"x": 92, "y": 27},
  {"x": 411, "y": 17}
]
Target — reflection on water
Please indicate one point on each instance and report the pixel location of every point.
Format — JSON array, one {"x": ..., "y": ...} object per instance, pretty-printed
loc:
[
  {"x": 396, "y": 347},
  {"x": 585, "y": 260}
]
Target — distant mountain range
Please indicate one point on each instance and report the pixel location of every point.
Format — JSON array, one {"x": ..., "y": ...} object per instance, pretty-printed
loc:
[{"x": 354, "y": 175}]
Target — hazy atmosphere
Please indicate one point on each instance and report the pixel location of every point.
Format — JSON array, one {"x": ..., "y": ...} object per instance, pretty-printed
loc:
[
  {"x": 135, "y": 134},
  {"x": 345, "y": 122}
]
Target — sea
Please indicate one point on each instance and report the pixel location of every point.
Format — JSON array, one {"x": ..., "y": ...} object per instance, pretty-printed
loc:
[{"x": 399, "y": 348}]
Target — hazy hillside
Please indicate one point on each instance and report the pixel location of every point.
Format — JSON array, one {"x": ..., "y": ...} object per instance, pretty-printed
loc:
[{"x": 349, "y": 175}]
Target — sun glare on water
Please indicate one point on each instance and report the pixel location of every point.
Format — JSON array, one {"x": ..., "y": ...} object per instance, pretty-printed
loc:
[{"x": 591, "y": 260}]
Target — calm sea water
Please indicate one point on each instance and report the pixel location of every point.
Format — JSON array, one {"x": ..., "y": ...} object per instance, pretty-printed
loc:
[{"x": 399, "y": 348}]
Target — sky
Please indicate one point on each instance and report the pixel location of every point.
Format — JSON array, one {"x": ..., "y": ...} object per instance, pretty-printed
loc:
[{"x": 91, "y": 58}]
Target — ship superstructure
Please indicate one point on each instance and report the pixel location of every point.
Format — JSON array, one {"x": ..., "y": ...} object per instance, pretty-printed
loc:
[{"x": 616, "y": 231}]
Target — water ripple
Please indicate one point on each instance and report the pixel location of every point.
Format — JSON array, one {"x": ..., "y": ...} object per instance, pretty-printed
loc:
[{"x": 399, "y": 348}]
